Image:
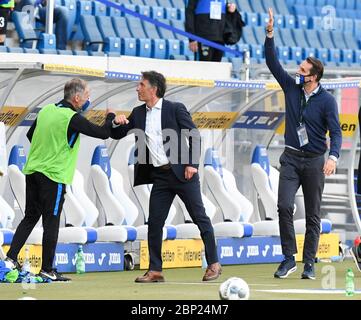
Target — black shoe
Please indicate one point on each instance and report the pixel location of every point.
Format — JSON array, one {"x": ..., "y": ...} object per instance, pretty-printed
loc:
[
  {"x": 13, "y": 264},
  {"x": 286, "y": 267},
  {"x": 356, "y": 257},
  {"x": 308, "y": 272},
  {"x": 53, "y": 275}
]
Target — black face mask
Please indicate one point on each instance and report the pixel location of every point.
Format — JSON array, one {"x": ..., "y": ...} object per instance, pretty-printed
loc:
[{"x": 300, "y": 79}]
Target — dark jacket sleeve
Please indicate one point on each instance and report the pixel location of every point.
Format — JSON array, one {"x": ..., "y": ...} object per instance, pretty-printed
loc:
[
  {"x": 282, "y": 77},
  {"x": 79, "y": 124},
  {"x": 31, "y": 131},
  {"x": 333, "y": 124},
  {"x": 190, "y": 17},
  {"x": 185, "y": 121},
  {"x": 121, "y": 131}
]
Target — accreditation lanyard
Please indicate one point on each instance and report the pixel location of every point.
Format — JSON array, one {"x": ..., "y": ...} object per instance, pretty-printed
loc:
[
  {"x": 215, "y": 12},
  {"x": 301, "y": 129}
]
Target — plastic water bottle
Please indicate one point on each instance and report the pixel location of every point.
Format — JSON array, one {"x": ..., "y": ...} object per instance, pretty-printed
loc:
[
  {"x": 204, "y": 260},
  {"x": 350, "y": 283},
  {"x": 80, "y": 260},
  {"x": 26, "y": 265}
]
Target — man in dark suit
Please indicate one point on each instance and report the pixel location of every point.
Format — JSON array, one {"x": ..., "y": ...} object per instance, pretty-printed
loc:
[{"x": 164, "y": 158}]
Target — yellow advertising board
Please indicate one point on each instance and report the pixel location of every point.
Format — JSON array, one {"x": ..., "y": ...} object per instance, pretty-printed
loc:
[
  {"x": 348, "y": 123},
  {"x": 11, "y": 115},
  {"x": 74, "y": 70},
  {"x": 35, "y": 254},
  {"x": 190, "y": 82},
  {"x": 98, "y": 116},
  {"x": 175, "y": 253},
  {"x": 214, "y": 120},
  {"x": 327, "y": 246}
]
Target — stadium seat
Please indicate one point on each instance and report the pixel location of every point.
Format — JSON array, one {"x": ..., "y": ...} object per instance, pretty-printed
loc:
[
  {"x": 93, "y": 40},
  {"x": 115, "y": 228},
  {"x": 74, "y": 234},
  {"x": 266, "y": 179},
  {"x": 141, "y": 195},
  {"x": 235, "y": 208},
  {"x": 27, "y": 35}
]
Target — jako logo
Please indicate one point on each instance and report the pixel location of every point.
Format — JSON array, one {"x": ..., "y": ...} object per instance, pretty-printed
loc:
[
  {"x": 101, "y": 259},
  {"x": 226, "y": 252},
  {"x": 61, "y": 258},
  {"x": 114, "y": 258}
]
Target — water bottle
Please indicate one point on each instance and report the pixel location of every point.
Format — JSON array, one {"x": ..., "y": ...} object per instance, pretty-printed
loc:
[
  {"x": 350, "y": 284},
  {"x": 80, "y": 260},
  {"x": 26, "y": 265},
  {"x": 204, "y": 260}
]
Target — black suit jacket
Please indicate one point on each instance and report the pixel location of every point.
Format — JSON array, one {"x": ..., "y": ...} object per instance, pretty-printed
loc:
[{"x": 181, "y": 140}]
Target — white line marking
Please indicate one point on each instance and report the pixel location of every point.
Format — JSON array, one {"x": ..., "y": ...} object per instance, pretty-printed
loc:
[{"x": 310, "y": 291}]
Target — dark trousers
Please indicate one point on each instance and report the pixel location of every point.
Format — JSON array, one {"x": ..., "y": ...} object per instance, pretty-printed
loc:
[
  {"x": 165, "y": 187},
  {"x": 44, "y": 198},
  {"x": 307, "y": 172},
  {"x": 206, "y": 53}
]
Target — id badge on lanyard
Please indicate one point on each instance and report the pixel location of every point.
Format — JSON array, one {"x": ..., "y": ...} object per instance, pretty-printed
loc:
[
  {"x": 302, "y": 135},
  {"x": 215, "y": 12}
]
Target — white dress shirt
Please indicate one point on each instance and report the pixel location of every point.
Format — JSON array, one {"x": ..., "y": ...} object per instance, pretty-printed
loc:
[{"x": 153, "y": 134}]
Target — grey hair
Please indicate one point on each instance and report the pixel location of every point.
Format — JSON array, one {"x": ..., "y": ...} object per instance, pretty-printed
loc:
[{"x": 73, "y": 87}]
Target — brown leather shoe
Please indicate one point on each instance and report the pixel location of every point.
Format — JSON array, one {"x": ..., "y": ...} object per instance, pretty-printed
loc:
[
  {"x": 213, "y": 272},
  {"x": 150, "y": 276}
]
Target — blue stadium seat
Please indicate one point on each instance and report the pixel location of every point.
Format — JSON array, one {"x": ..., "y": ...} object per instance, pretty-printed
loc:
[
  {"x": 157, "y": 12},
  {"x": 138, "y": 2},
  {"x": 350, "y": 4},
  {"x": 281, "y": 7},
  {"x": 178, "y": 25},
  {"x": 173, "y": 47},
  {"x": 121, "y": 28},
  {"x": 283, "y": 53},
  {"x": 252, "y": 19},
  {"x": 313, "y": 40},
  {"x": 93, "y": 40},
  {"x": 181, "y": 14},
  {"x": 150, "y": 30},
  {"x": 71, "y": 5},
  {"x": 15, "y": 49},
  {"x": 171, "y": 13},
  {"x": 165, "y": 3},
  {"x": 47, "y": 42},
  {"x": 257, "y": 51},
  {"x": 27, "y": 36},
  {"x": 144, "y": 48},
  {"x": 257, "y": 6},
  {"x": 348, "y": 56},
  {"x": 144, "y": 10},
  {"x": 338, "y": 40},
  {"x": 165, "y": 33},
  {"x": 322, "y": 54},
  {"x": 244, "y": 6},
  {"x": 351, "y": 42},
  {"x": 159, "y": 49},
  {"x": 184, "y": 48},
  {"x": 80, "y": 53},
  {"x": 335, "y": 55},
  {"x": 310, "y": 2},
  {"x": 298, "y": 35},
  {"x": 112, "y": 42},
  {"x": 264, "y": 18},
  {"x": 316, "y": 23},
  {"x": 248, "y": 35},
  {"x": 65, "y": 52},
  {"x": 348, "y": 26},
  {"x": 331, "y": 3},
  {"x": 259, "y": 34},
  {"x": 358, "y": 29},
  {"x": 113, "y": 12},
  {"x": 302, "y": 22},
  {"x": 279, "y": 21},
  {"x": 152, "y": 3},
  {"x": 326, "y": 40},
  {"x": 290, "y": 22},
  {"x": 136, "y": 28},
  {"x": 128, "y": 47},
  {"x": 358, "y": 57},
  {"x": 178, "y": 4},
  {"x": 83, "y": 8},
  {"x": 99, "y": 9}
]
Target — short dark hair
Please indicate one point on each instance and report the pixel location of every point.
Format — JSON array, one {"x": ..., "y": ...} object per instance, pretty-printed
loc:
[
  {"x": 317, "y": 67},
  {"x": 73, "y": 87},
  {"x": 156, "y": 79}
]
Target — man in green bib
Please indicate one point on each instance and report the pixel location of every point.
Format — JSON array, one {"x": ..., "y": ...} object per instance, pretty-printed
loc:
[
  {"x": 51, "y": 163},
  {"x": 6, "y": 6}
]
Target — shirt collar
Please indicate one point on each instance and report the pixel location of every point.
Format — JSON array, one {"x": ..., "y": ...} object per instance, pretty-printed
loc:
[
  {"x": 66, "y": 104},
  {"x": 313, "y": 92},
  {"x": 158, "y": 105}
]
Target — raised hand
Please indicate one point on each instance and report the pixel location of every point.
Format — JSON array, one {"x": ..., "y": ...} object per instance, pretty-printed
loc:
[{"x": 271, "y": 20}]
